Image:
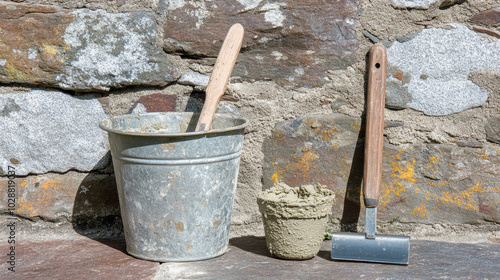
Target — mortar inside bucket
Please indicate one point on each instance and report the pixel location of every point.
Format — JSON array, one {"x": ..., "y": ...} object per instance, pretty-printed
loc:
[{"x": 176, "y": 186}]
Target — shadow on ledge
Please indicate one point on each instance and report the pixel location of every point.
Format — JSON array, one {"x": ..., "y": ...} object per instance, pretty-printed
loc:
[
  {"x": 252, "y": 244},
  {"x": 96, "y": 209}
]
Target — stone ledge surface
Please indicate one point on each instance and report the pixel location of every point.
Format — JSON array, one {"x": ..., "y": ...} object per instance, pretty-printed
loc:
[
  {"x": 76, "y": 259},
  {"x": 247, "y": 258}
]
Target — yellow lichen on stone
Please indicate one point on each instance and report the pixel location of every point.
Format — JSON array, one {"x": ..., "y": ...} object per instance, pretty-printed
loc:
[
  {"x": 50, "y": 49},
  {"x": 355, "y": 126},
  {"x": 401, "y": 172},
  {"x": 306, "y": 161},
  {"x": 327, "y": 134},
  {"x": 275, "y": 178},
  {"x": 24, "y": 205},
  {"x": 433, "y": 159},
  {"x": 420, "y": 211},
  {"x": 13, "y": 73},
  {"x": 51, "y": 183},
  {"x": 404, "y": 172},
  {"x": 26, "y": 208},
  {"x": 463, "y": 198},
  {"x": 39, "y": 194},
  {"x": 482, "y": 154}
]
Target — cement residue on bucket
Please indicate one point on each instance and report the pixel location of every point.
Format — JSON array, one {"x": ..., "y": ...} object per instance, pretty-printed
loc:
[
  {"x": 307, "y": 201},
  {"x": 176, "y": 188}
]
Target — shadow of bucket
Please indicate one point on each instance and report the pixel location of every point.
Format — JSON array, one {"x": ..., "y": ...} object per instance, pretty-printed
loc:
[{"x": 175, "y": 186}]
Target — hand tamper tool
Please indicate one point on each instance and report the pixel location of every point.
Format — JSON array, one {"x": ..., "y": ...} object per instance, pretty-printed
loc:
[{"x": 369, "y": 246}]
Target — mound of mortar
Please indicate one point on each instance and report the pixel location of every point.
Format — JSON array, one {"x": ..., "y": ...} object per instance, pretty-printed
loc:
[{"x": 295, "y": 219}]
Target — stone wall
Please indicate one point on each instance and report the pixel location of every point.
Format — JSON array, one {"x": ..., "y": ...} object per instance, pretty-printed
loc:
[{"x": 300, "y": 79}]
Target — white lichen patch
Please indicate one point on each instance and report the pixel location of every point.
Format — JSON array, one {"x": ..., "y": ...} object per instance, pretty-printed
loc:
[
  {"x": 277, "y": 55},
  {"x": 249, "y": 4},
  {"x": 199, "y": 10},
  {"x": 107, "y": 49},
  {"x": 439, "y": 62},
  {"x": 413, "y": 4},
  {"x": 264, "y": 40},
  {"x": 174, "y": 4},
  {"x": 32, "y": 53},
  {"x": 299, "y": 71},
  {"x": 273, "y": 13},
  {"x": 194, "y": 8}
]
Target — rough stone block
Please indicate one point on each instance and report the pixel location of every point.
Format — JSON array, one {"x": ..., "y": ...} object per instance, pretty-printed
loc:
[
  {"x": 414, "y": 4},
  {"x": 80, "y": 49},
  {"x": 424, "y": 4},
  {"x": 156, "y": 102},
  {"x": 492, "y": 130},
  {"x": 192, "y": 78},
  {"x": 420, "y": 183},
  {"x": 488, "y": 17},
  {"x": 46, "y": 131},
  {"x": 300, "y": 146},
  {"x": 71, "y": 197},
  {"x": 288, "y": 42},
  {"x": 430, "y": 73}
]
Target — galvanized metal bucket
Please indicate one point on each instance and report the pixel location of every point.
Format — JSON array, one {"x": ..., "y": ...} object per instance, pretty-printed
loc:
[{"x": 176, "y": 187}]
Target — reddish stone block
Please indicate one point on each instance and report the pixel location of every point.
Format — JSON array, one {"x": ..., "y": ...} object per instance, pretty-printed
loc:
[
  {"x": 64, "y": 197},
  {"x": 30, "y": 46},
  {"x": 289, "y": 41},
  {"x": 40, "y": 45},
  {"x": 158, "y": 102},
  {"x": 488, "y": 17}
]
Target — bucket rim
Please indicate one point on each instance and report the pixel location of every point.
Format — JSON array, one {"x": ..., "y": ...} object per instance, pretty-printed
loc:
[{"x": 104, "y": 127}]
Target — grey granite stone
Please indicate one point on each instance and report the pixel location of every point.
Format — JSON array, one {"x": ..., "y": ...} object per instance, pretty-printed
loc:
[
  {"x": 414, "y": 4},
  {"x": 424, "y": 4},
  {"x": 46, "y": 131},
  {"x": 439, "y": 62},
  {"x": 192, "y": 78}
]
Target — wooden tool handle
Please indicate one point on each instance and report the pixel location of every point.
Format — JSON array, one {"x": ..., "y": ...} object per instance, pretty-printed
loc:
[
  {"x": 220, "y": 75},
  {"x": 372, "y": 173}
]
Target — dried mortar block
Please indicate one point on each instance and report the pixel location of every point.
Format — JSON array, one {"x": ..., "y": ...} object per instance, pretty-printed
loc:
[{"x": 295, "y": 219}]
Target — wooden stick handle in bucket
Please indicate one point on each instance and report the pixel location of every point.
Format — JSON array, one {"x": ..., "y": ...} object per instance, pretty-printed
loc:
[{"x": 220, "y": 75}]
